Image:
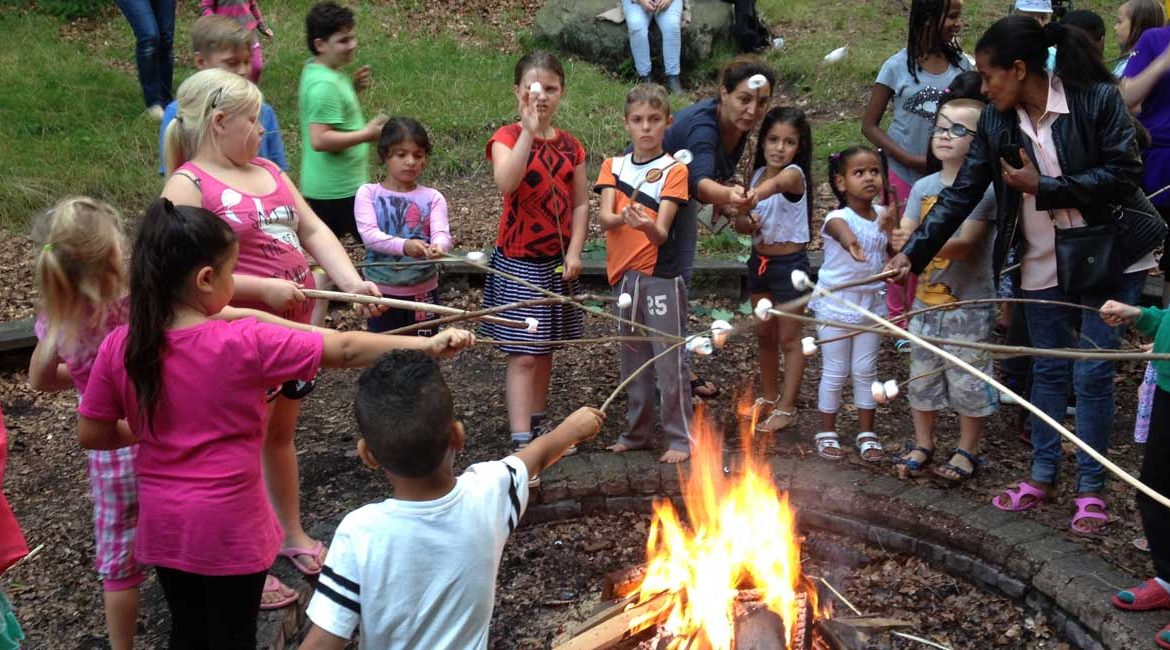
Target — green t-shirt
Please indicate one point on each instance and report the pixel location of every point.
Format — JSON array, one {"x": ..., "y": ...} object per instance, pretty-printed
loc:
[{"x": 328, "y": 97}]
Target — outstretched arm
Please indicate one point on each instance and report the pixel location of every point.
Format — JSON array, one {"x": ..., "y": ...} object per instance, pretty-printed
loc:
[{"x": 545, "y": 450}]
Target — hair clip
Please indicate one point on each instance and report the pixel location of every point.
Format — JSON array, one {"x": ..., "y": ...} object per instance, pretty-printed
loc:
[
  {"x": 946, "y": 91},
  {"x": 835, "y": 156}
]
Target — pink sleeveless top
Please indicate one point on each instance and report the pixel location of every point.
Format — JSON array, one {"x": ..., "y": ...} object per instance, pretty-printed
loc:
[{"x": 266, "y": 226}]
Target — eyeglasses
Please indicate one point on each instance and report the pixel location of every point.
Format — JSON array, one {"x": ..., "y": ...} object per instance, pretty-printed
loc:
[{"x": 954, "y": 130}]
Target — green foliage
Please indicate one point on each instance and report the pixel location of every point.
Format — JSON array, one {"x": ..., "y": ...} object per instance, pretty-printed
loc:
[{"x": 68, "y": 9}]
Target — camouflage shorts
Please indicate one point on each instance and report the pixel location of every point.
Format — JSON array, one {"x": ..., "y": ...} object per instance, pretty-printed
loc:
[{"x": 954, "y": 387}]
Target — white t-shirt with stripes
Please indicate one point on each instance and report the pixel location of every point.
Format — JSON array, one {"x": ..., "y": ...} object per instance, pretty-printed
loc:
[{"x": 422, "y": 574}]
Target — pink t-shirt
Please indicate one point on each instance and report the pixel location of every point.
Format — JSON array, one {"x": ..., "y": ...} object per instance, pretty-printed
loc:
[
  {"x": 386, "y": 219},
  {"x": 266, "y": 225},
  {"x": 202, "y": 505},
  {"x": 79, "y": 354}
]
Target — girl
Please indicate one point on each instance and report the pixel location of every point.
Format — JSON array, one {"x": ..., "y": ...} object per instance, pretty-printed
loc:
[
  {"x": 247, "y": 14},
  {"x": 914, "y": 80},
  {"x": 399, "y": 219},
  {"x": 205, "y": 522},
  {"x": 1133, "y": 19},
  {"x": 540, "y": 171},
  {"x": 780, "y": 227},
  {"x": 211, "y": 149},
  {"x": 81, "y": 276},
  {"x": 856, "y": 247}
]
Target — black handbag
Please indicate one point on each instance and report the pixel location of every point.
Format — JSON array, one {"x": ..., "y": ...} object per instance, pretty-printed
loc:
[{"x": 1091, "y": 259}]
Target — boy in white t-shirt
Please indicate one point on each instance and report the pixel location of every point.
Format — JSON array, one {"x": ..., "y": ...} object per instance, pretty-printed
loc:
[{"x": 419, "y": 570}]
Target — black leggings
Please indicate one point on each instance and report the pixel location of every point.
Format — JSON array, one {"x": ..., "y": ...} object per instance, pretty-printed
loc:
[
  {"x": 1155, "y": 519},
  {"x": 338, "y": 215},
  {"x": 212, "y": 612}
]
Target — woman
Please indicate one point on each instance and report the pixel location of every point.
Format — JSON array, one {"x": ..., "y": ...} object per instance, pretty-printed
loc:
[
  {"x": 668, "y": 15},
  {"x": 153, "y": 22},
  {"x": 1077, "y": 157},
  {"x": 715, "y": 130}
]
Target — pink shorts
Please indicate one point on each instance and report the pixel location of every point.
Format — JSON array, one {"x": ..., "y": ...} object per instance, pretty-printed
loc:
[
  {"x": 114, "y": 490},
  {"x": 900, "y": 297}
]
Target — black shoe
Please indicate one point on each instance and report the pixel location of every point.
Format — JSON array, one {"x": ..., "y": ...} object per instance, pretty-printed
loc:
[
  {"x": 674, "y": 86},
  {"x": 646, "y": 79}
]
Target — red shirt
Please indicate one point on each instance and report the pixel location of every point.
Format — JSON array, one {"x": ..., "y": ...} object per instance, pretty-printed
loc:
[{"x": 543, "y": 203}]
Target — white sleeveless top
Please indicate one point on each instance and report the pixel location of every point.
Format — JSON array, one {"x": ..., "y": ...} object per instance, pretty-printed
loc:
[
  {"x": 839, "y": 267},
  {"x": 781, "y": 220}
]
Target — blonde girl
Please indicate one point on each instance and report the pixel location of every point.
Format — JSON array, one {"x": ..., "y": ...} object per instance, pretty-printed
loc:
[{"x": 211, "y": 152}]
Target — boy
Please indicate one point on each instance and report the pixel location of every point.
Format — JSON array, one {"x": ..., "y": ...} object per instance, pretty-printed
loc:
[
  {"x": 336, "y": 153},
  {"x": 643, "y": 258},
  {"x": 220, "y": 42},
  {"x": 419, "y": 570}
]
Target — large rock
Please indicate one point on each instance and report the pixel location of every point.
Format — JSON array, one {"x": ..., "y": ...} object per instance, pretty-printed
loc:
[{"x": 572, "y": 26}]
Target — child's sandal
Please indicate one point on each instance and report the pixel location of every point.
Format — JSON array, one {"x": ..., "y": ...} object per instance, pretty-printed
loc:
[
  {"x": 777, "y": 420},
  {"x": 960, "y": 474},
  {"x": 828, "y": 446},
  {"x": 867, "y": 441},
  {"x": 908, "y": 467}
]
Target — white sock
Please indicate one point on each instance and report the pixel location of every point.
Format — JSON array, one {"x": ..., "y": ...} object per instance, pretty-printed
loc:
[{"x": 521, "y": 436}]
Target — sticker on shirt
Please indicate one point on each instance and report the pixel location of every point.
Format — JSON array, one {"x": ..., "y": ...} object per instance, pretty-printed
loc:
[
  {"x": 280, "y": 224},
  {"x": 924, "y": 103}
]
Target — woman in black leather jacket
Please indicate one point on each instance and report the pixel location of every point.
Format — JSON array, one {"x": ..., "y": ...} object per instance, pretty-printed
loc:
[{"x": 1077, "y": 158}]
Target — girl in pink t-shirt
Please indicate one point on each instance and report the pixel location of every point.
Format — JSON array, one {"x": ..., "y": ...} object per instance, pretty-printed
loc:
[
  {"x": 211, "y": 148},
  {"x": 204, "y": 519}
]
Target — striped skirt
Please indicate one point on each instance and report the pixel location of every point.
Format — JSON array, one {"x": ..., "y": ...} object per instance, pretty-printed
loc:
[{"x": 555, "y": 322}]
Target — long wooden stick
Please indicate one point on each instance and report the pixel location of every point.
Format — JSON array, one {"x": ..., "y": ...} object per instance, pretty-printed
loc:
[
  {"x": 1081, "y": 444},
  {"x": 341, "y": 296},
  {"x": 478, "y": 313},
  {"x": 638, "y": 371}
]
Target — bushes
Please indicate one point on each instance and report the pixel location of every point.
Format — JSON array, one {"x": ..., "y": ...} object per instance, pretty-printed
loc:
[{"x": 64, "y": 8}]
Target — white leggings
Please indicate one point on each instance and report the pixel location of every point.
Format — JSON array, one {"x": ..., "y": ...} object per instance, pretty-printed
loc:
[{"x": 856, "y": 356}]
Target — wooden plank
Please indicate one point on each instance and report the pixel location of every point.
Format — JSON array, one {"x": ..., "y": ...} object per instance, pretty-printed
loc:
[
  {"x": 17, "y": 335},
  {"x": 614, "y": 629}
]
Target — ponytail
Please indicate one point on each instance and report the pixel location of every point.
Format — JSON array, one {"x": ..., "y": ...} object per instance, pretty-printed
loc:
[
  {"x": 200, "y": 97},
  {"x": 173, "y": 241},
  {"x": 1021, "y": 38},
  {"x": 1077, "y": 62},
  {"x": 838, "y": 161}
]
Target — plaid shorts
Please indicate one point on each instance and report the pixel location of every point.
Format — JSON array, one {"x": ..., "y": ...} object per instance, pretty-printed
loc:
[
  {"x": 954, "y": 387},
  {"x": 114, "y": 490}
]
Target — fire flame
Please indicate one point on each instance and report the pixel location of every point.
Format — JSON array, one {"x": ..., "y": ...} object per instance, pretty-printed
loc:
[{"x": 741, "y": 533}]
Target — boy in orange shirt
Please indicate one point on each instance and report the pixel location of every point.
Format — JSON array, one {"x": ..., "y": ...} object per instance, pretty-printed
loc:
[{"x": 644, "y": 260}]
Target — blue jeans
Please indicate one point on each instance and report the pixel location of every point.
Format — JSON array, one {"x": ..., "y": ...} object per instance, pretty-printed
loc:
[
  {"x": 153, "y": 22},
  {"x": 669, "y": 23},
  {"x": 1092, "y": 380}
]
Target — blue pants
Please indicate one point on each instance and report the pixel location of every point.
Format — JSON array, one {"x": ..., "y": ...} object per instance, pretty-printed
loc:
[
  {"x": 153, "y": 22},
  {"x": 669, "y": 23},
  {"x": 1092, "y": 380}
]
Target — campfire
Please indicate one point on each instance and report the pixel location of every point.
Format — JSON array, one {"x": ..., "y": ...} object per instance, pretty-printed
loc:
[{"x": 727, "y": 576}]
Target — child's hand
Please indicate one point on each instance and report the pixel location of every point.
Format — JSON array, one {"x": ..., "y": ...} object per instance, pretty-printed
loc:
[
  {"x": 888, "y": 221},
  {"x": 746, "y": 224},
  {"x": 365, "y": 288},
  {"x": 374, "y": 127},
  {"x": 362, "y": 78},
  {"x": 281, "y": 295},
  {"x": 572, "y": 266},
  {"x": 1116, "y": 313},
  {"x": 636, "y": 218},
  {"x": 530, "y": 119},
  {"x": 434, "y": 251},
  {"x": 585, "y": 422},
  {"x": 415, "y": 248},
  {"x": 449, "y": 341},
  {"x": 267, "y": 31},
  {"x": 899, "y": 237},
  {"x": 856, "y": 251}
]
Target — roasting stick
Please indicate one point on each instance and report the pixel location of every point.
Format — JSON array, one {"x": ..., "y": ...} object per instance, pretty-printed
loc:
[
  {"x": 471, "y": 315},
  {"x": 856, "y": 611},
  {"x": 802, "y": 281},
  {"x": 339, "y": 296}
]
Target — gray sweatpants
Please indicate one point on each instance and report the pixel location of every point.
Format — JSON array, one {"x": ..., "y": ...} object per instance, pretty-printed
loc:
[{"x": 659, "y": 303}]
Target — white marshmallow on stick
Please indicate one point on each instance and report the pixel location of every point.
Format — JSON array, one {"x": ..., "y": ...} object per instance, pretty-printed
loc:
[
  {"x": 684, "y": 156},
  {"x": 763, "y": 309},
  {"x": 808, "y": 345},
  {"x": 801, "y": 281},
  {"x": 720, "y": 331},
  {"x": 701, "y": 346},
  {"x": 757, "y": 81},
  {"x": 536, "y": 88},
  {"x": 891, "y": 388},
  {"x": 476, "y": 256},
  {"x": 532, "y": 323},
  {"x": 624, "y": 301},
  {"x": 879, "y": 392}
]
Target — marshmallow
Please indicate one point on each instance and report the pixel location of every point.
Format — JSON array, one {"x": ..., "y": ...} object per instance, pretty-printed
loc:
[
  {"x": 800, "y": 280},
  {"x": 757, "y": 81},
  {"x": 476, "y": 256},
  {"x": 836, "y": 55},
  {"x": 532, "y": 324},
  {"x": 808, "y": 345},
  {"x": 700, "y": 345},
  {"x": 684, "y": 156},
  {"x": 720, "y": 331},
  {"x": 763, "y": 309},
  {"x": 624, "y": 301},
  {"x": 879, "y": 392},
  {"x": 536, "y": 88},
  {"x": 891, "y": 388}
]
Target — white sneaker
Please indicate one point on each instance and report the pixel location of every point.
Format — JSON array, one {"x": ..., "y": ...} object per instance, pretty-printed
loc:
[{"x": 1006, "y": 399}]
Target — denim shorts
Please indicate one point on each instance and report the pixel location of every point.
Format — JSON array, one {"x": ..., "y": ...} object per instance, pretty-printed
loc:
[{"x": 772, "y": 274}]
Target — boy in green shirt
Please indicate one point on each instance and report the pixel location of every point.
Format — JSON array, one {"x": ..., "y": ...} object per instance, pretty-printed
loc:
[{"x": 335, "y": 133}]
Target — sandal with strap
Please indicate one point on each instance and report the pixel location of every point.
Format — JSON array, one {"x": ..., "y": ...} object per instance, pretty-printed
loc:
[
  {"x": 1016, "y": 498},
  {"x": 908, "y": 467},
  {"x": 825, "y": 441},
  {"x": 960, "y": 473},
  {"x": 273, "y": 585},
  {"x": 867, "y": 441},
  {"x": 1083, "y": 513},
  {"x": 767, "y": 425},
  {"x": 1142, "y": 598}
]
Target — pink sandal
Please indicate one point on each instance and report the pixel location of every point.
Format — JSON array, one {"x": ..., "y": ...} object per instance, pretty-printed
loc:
[
  {"x": 294, "y": 555},
  {"x": 273, "y": 585},
  {"x": 1016, "y": 498},
  {"x": 1083, "y": 513}
]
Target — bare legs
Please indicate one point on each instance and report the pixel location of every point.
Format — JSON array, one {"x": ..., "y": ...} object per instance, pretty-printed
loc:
[
  {"x": 121, "y": 617},
  {"x": 282, "y": 476},
  {"x": 526, "y": 388}
]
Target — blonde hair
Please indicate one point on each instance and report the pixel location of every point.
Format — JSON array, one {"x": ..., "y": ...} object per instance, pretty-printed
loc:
[
  {"x": 200, "y": 97},
  {"x": 211, "y": 34},
  {"x": 80, "y": 267}
]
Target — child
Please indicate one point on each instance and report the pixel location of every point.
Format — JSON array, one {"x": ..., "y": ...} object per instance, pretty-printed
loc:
[
  {"x": 780, "y": 227},
  {"x": 1133, "y": 19},
  {"x": 336, "y": 136},
  {"x": 212, "y": 150},
  {"x": 220, "y": 42},
  {"x": 82, "y": 280},
  {"x": 398, "y": 220},
  {"x": 856, "y": 247},
  {"x": 961, "y": 271},
  {"x": 1040, "y": 10},
  {"x": 914, "y": 80},
  {"x": 1155, "y": 592},
  {"x": 643, "y": 259},
  {"x": 419, "y": 570},
  {"x": 12, "y": 549},
  {"x": 204, "y": 518},
  {"x": 540, "y": 171},
  {"x": 246, "y": 13}
]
